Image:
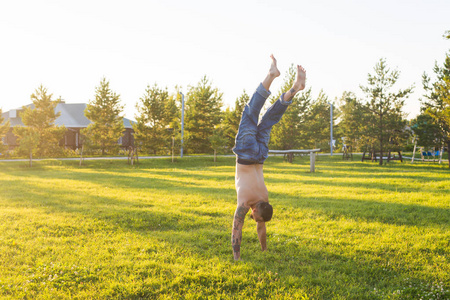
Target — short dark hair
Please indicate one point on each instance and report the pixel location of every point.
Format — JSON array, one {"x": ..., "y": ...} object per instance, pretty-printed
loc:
[{"x": 266, "y": 211}]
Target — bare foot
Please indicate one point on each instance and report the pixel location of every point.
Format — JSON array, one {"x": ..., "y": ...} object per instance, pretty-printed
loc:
[
  {"x": 273, "y": 71},
  {"x": 299, "y": 84}
]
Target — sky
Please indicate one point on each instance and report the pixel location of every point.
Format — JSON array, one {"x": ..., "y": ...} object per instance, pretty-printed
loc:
[{"x": 69, "y": 46}]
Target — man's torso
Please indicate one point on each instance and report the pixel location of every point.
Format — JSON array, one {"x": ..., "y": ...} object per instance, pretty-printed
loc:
[{"x": 250, "y": 185}]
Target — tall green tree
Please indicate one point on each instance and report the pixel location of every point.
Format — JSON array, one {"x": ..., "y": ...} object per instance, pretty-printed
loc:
[
  {"x": 218, "y": 140},
  {"x": 232, "y": 118},
  {"x": 437, "y": 94},
  {"x": 107, "y": 123},
  {"x": 203, "y": 113},
  {"x": 319, "y": 123},
  {"x": 156, "y": 120},
  {"x": 385, "y": 107},
  {"x": 40, "y": 133},
  {"x": 292, "y": 132},
  {"x": 28, "y": 141},
  {"x": 427, "y": 131},
  {"x": 4, "y": 128},
  {"x": 352, "y": 124}
]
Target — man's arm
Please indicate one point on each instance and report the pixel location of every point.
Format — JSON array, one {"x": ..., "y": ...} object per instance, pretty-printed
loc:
[
  {"x": 236, "y": 234},
  {"x": 261, "y": 229}
]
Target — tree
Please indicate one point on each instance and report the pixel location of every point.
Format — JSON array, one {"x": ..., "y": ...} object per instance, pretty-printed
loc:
[
  {"x": 384, "y": 107},
  {"x": 157, "y": 114},
  {"x": 352, "y": 122},
  {"x": 292, "y": 131},
  {"x": 28, "y": 140},
  {"x": 218, "y": 140},
  {"x": 203, "y": 113},
  {"x": 427, "y": 131},
  {"x": 319, "y": 123},
  {"x": 447, "y": 35},
  {"x": 40, "y": 126},
  {"x": 107, "y": 124},
  {"x": 232, "y": 118},
  {"x": 438, "y": 95},
  {"x": 4, "y": 128}
]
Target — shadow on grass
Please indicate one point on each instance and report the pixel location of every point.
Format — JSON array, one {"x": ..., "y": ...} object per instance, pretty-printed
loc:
[
  {"x": 206, "y": 233},
  {"x": 372, "y": 211},
  {"x": 356, "y": 169},
  {"x": 184, "y": 181}
]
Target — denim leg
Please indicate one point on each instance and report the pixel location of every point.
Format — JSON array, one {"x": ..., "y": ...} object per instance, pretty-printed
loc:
[
  {"x": 271, "y": 117},
  {"x": 246, "y": 147}
]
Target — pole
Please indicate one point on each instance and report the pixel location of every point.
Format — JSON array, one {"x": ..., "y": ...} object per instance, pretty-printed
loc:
[
  {"x": 331, "y": 129},
  {"x": 182, "y": 123},
  {"x": 312, "y": 162},
  {"x": 414, "y": 151}
]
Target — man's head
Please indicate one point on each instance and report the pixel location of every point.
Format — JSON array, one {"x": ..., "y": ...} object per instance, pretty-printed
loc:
[{"x": 262, "y": 212}]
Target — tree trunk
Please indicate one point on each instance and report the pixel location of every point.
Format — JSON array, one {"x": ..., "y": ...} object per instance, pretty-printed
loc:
[
  {"x": 173, "y": 148},
  {"x": 215, "y": 155},
  {"x": 381, "y": 140},
  {"x": 448, "y": 151},
  {"x": 31, "y": 159},
  {"x": 381, "y": 157}
]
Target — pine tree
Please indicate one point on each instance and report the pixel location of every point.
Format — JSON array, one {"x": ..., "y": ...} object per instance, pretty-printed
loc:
[
  {"x": 353, "y": 123},
  {"x": 427, "y": 131},
  {"x": 218, "y": 140},
  {"x": 292, "y": 131},
  {"x": 156, "y": 121},
  {"x": 203, "y": 113},
  {"x": 107, "y": 123},
  {"x": 232, "y": 118},
  {"x": 438, "y": 95},
  {"x": 319, "y": 123},
  {"x": 40, "y": 132},
  {"x": 385, "y": 108}
]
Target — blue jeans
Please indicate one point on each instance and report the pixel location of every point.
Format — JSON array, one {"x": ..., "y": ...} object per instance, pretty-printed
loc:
[{"x": 252, "y": 139}]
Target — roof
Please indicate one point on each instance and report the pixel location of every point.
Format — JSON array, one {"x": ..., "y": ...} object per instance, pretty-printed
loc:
[{"x": 72, "y": 116}]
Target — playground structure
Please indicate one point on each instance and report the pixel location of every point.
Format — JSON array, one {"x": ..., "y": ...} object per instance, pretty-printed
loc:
[
  {"x": 133, "y": 155},
  {"x": 426, "y": 155},
  {"x": 346, "y": 150}
]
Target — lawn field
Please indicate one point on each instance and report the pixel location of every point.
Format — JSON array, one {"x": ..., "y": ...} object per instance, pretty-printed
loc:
[{"x": 162, "y": 230}]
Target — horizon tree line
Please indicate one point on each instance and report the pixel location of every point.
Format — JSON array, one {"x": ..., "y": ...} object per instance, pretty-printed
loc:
[{"x": 375, "y": 122}]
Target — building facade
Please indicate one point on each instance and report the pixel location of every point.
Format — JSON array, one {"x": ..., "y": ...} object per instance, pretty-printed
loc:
[{"x": 72, "y": 117}]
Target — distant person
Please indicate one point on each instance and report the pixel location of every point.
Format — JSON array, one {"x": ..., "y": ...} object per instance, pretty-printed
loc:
[{"x": 251, "y": 150}]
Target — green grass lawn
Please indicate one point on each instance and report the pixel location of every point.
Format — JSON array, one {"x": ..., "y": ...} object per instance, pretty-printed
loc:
[{"x": 161, "y": 230}]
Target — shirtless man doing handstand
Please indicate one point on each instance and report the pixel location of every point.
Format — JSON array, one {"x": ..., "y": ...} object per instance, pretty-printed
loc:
[{"x": 251, "y": 150}]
